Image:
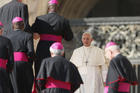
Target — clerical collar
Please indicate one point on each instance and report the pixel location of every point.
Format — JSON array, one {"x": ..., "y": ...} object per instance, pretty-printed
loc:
[{"x": 87, "y": 47}]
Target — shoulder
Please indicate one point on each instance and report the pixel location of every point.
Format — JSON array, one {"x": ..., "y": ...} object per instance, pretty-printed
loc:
[
  {"x": 97, "y": 49},
  {"x": 20, "y": 4},
  {"x": 66, "y": 21},
  {"x": 72, "y": 64},
  {"x": 58, "y": 16},
  {"x": 122, "y": 58},
  {"x": 78, "y": 49},
  {"x": 5, "y": 39},
  {"x": 118, "y": 59},
  {"x": 16, "y": 3},
  {"x": 9, "y": 3},
  {"x": 27, "y": 34},
  {"x": 41, "y": 17},
  {"x": 62, "y": 17},
  {"x": 46, "y": 60},
  {"x": 6, "y": 5}
]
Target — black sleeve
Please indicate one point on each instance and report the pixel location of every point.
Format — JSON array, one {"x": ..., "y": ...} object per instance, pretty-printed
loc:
[
  {"x": 10, "y": 57},
  {"x": 35, "y": 25},
  {"x": 76, "y": 78},
  {"x": 68, "y": 34},
  {"x": 25, "y": 15},
  {"x": 41, "y": 77},
  {"x": 30, "y": 47}
]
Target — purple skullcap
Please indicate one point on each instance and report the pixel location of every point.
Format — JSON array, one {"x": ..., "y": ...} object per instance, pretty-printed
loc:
[
  {"x": 57, "y": 46},
  {"x": 17, "y": 19},
  {"x": 1, "y": 24},
  {"x": 53, "y": 2},
  {"x": 109, "y": 44}
]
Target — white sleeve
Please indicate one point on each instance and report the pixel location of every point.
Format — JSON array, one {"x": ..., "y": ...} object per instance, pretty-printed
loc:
[{"x": 104, "y": 71}]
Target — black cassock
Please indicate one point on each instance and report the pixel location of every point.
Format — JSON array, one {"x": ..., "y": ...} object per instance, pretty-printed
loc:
[
  {"x": 120, "y": 71},
  {"x": 23, "y": 53},
  {"x": 6, "y": 64},
  {"x": 51, "y": 28},
  {"x": 11, "y": 10},
  {"x": 58, "y": 71}
]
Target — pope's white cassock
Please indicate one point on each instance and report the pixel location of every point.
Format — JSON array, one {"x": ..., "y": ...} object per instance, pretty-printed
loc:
[{"x": 90, "y": 62}]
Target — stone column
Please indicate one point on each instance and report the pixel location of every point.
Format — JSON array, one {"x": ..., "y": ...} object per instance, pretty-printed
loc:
[{"x": 36, "y": 8}]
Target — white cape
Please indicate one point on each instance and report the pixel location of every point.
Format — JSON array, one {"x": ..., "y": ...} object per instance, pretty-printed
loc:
[{"x": 91, "y": 72}]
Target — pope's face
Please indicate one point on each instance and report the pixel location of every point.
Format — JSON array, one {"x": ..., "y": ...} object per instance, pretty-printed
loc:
[{"x": 86, "y": 40}]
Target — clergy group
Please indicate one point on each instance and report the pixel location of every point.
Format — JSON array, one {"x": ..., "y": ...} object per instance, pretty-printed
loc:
[{"x": 46, "y": 70}]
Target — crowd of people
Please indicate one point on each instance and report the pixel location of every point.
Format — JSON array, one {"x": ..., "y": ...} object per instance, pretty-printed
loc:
[{"x": 85, "y": 72}]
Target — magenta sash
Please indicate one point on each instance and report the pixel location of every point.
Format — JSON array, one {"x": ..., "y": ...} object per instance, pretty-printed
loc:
[
  {"x": 106, "y": 89},
  {"x": 20, "y": 56},
  {"x": 123, "y": 87},
  {"x": 50, "y": 37},
  {"x": 3, "y": 63},
  {"x": 52, "y": 83}
]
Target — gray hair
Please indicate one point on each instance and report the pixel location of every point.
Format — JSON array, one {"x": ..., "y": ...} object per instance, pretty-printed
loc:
[
  {"x": 89, "y": 33},
  {"x": 113, "y": 48},
  {"x": 56, "y": 52}
]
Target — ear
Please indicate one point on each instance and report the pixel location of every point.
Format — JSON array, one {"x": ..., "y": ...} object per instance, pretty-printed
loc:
[
  {"x": 51, "y": 54},
  {"x": 111, "y": 52},
  {"x": 0, "y": 32},
  {"x": 63, "y": 53},
  {"x": 12, "y": 26}
]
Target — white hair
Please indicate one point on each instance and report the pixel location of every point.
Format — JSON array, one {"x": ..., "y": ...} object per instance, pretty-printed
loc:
[
  {"x": 89, "y": 33},
  {"x": 56, "y": 52},
  {"x": 113, "y": 48}
]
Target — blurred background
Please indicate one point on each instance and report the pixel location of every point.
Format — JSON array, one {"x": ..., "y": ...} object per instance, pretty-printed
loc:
[
  {"x": 108, "y": 20},
  {"x": 86, "y": 8}
]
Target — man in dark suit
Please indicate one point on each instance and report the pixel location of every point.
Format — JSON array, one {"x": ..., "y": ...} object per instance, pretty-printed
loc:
[
  {"x": 120, "y": 73},
  {"x": 23, "y": 56},
  {"x": 56, "y": 74},
  {"x": 6, "y": 63},
  {"x": 11, "y": 10},
  {"x": 52, "y": 28}
]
